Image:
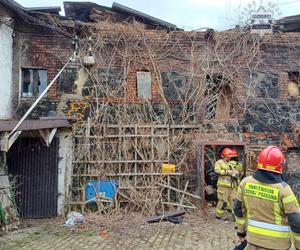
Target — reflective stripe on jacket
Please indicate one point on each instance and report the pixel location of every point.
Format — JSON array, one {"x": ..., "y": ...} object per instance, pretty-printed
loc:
[
  {"x": 224, "y": 180},
  {"x": 269, "y": 213}
]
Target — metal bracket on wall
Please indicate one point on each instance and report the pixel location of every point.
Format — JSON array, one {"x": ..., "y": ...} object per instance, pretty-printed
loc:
[
  {"x": 47, "y": 135},
  {"x": 8, "y": 140}
]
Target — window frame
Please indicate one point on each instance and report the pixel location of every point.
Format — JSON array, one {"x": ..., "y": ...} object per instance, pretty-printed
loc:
[{"x": 21, "y": 84}]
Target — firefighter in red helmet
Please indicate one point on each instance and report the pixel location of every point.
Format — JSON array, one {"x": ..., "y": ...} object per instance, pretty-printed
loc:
[
  {"x": 266, "y": 209},
  {"x": 224, "y": 184}
]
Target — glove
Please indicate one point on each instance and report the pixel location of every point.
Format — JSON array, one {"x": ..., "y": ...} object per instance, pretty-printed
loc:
[
  {"x": 235, "y": 173},
  {"x": 229, "y": 172}
]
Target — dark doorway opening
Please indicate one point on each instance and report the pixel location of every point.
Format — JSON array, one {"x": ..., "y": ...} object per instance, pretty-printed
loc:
[
  {"x": 34, "y": 168},
  {"x": 210, "y": 153}
]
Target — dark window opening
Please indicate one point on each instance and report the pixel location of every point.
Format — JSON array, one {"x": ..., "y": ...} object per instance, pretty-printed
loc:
[
  {"x": 262, "y": 85},
  {"x": 173, "y": 83},
  {"x": 293, "y": 84},
  {"x": 33, "y": 82},
  {"x": 65, "y": 81},
  {"x": 111, "y": 79},
  {"x": 109, "y": 82},
  {"x": 210, "y": 154}
]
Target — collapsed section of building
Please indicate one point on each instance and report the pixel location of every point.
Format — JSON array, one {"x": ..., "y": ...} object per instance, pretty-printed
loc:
[{"x": 140, "y": 94}]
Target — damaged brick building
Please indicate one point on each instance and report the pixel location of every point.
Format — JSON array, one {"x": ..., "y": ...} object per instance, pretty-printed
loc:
[{"x": 140, "y": 93}]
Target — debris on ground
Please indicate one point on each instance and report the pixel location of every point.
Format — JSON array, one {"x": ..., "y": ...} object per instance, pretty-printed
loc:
[
  {"x": 174, "y": 217},
  {"x": 119, "y": 231},
  {"x": 74, "y": 218}
]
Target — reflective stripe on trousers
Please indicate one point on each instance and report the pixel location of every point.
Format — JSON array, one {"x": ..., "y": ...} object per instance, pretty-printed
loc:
[
  {"x": 224, "y": 184},
  {"x": 269, "y": 229}
]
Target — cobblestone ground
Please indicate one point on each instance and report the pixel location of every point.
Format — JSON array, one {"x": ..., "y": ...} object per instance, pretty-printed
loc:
[{"x": 194, "y": 233}]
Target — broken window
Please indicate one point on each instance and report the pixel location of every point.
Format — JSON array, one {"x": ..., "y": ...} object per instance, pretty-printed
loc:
[
  {"x": 262, "y": 85},
  {"x": 293, "y": 84},
  {"x": 65, "y": 81},
  {"x": 144, "y": 85},
  {"x": 172, "y": 83},
  {"x": 218, "y": 97},
  {"x": 33, "y": 82}
]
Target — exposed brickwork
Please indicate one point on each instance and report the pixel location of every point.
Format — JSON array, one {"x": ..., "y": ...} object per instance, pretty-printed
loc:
[{"x": 279, "y": 53}]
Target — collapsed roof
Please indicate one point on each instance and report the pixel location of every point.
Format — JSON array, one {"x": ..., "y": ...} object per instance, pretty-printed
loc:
[
  {"x": 85, "y": 12},
  {"x": 288, "y": 24}
]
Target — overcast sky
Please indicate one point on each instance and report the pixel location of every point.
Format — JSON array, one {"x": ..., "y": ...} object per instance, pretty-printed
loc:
[{"x": 191, "y": 14}]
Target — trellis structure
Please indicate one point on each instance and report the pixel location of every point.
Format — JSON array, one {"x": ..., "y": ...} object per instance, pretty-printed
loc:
[{"x": 132, "y": 155}]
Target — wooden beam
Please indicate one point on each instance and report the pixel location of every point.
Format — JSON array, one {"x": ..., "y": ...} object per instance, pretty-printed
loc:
[
  {"x": 180, "y": 191},
  {"x": 178, "y": 205},
  {"x": 7, "y": 141},
  {"x": 182, "y": 196},
  {"x": 47, "y": 135},
  {"x": 128, "y": 174}
]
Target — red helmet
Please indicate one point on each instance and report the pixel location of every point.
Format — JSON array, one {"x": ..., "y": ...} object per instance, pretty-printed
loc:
[
  {"x": 235, "y": 153},
  {"x": 227, "y": 152},
  {"x": 271, "y": 159}
]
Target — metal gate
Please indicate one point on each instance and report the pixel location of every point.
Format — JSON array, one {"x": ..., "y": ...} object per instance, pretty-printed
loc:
[{"x": 35, "y": 170}]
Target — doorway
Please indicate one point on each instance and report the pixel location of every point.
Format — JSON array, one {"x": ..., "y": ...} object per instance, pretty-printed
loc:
[{"x": 34, "y": 169}]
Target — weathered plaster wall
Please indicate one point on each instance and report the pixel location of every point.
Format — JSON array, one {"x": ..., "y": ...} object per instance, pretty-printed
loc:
[
  {"x": 6, "y": 42},
  {"x": 64, "y": 168}
]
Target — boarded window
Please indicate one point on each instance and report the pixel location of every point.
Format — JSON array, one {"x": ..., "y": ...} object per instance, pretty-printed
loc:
[
  {"x": 65, "y": 81},
  {"x": 293, "y": 84},
  {"x": 144, "y": 86},
  {"x": 218, "y": 97},
  {"x": 33, "y": 82},
  {"x": 224, "y": 103}
]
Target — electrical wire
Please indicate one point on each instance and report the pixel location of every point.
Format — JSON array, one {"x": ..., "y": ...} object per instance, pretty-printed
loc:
[{"x": 33, "y": 20}]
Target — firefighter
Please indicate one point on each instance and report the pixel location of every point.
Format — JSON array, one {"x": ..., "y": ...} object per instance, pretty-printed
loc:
[
  {"x": 224, "y": 184},
  {"x": 266, "y": 209},
  {"x": 236, "y": 177}
]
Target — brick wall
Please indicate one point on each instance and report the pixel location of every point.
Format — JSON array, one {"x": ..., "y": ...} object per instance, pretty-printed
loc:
[{"x": 279, "y": 54}]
